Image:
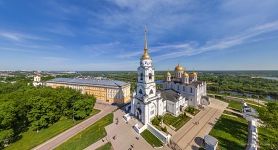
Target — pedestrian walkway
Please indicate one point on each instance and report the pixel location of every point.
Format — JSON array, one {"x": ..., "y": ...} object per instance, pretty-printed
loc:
[
  {"x": 190, "y": 135},
  {"x": 236, "y": 112},
  {"x": 122, "y": 135},
  {"x": 62, "y": 137}
]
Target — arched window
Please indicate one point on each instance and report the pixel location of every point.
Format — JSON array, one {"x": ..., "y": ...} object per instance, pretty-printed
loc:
[
  {"x": 140, "y": 91},
  {"x": 150, "y": 76},
  {"x": 191, "y": 90},
  {"x": 151, "y": 92},
  {"x": 141, "y": 76}
]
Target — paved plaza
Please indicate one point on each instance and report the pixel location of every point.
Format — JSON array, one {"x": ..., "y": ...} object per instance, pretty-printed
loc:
[
  {"x": 122, "y": 135},
  {"x": 125, "y": 135},
  {"x": 191, "y": 134}
]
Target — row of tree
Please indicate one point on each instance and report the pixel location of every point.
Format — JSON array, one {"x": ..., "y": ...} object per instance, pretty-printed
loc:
[
  {"x": 23, "y": 107},
  {"x": 241, "y": 85}
]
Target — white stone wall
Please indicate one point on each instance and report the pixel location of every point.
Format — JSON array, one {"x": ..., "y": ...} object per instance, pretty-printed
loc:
[{"x": 163, "y": 137}]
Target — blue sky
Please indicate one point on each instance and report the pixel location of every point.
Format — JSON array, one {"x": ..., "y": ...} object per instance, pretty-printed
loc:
[{"x": 109, "y": 34}]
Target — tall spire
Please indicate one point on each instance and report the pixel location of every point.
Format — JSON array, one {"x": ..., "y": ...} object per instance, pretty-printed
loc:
[
  {"x": 146, "y": 42},
  {"x": 146, "y": 54}
]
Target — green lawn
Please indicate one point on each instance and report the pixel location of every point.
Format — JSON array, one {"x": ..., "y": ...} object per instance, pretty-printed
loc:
[
  {"x": 266, "y": 138},
  {"x": 151, "y": 139},
  {"x": 193, "y": 111},
  {"x": 176, "y": 122},
  {"x": 231, "y": 132},
  {"x": 107, "y": 146},
  {"x": 88, "y": 136},
  {"x": 31, "y": 138},
  {"x": 235, "y": 105}
]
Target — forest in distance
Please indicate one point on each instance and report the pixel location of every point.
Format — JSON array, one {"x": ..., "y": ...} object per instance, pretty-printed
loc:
[{"x": 251, "y": 84}]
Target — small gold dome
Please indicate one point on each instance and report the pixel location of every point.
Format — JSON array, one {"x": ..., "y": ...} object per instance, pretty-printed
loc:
[
  {"x": 193, "y": 74},
  {"x": 185, "y": 75},
  {"x": 146, "y": 55},
  {"x": 179, "y": 68},
  {"x": 168, "y": 73}
]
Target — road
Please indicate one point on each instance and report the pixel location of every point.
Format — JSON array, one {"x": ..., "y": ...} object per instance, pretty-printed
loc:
[{"x": 62, "y": 137}]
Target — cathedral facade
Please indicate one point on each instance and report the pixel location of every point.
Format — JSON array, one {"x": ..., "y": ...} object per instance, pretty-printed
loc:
[{"x": 179, "y": 91}]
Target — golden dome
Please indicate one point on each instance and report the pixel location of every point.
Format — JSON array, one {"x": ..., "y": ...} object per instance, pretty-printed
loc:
[
  {"x": 185, "y": 75},
  {"x": 179, "y": 68},
  {"x": 194, "y": 74},
  {"x": 146, "y": 54},
  {"x": 168, "y": 73}
]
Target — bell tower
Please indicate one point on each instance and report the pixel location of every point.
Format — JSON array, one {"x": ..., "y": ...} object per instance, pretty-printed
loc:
[{"x": 146, "y": 87}]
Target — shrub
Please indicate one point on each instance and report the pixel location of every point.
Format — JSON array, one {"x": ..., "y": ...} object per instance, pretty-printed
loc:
[
  {"x": 155, "y": 121},
  {"x": 164, "y": 129}
]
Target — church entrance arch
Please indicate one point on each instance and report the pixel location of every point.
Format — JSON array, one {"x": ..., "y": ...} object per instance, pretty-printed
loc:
[{"x": 138, "y": 113}]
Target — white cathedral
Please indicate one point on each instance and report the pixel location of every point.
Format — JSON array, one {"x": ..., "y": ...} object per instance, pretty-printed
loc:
[{"x": 179, "y": 91}]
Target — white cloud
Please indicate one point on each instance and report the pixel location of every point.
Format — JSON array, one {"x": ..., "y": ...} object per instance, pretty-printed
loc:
[
  {"x": 220, "y": 44},
  {"x": 18, "y": 37},
  {"x": 60, "y": 29}
]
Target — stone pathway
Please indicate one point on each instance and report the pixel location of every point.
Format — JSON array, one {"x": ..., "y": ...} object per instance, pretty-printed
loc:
[
  {"x": 64, "y": 136},
  {"x": 236, "y": 112},
  {"x": 190, "y": 135}
]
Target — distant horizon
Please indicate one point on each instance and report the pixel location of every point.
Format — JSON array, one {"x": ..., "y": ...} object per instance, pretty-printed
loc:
[{"x": 117, "y": 70}]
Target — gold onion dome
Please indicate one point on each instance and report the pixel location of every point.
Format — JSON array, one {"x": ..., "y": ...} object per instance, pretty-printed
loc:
[
  {"x": 179, "y": 68},
  {"x": 146, "y": 54},
  {"x": 185, "y": 75},
  {"x": 168, "y": 73},
  {"x": 194, "y": 74}
]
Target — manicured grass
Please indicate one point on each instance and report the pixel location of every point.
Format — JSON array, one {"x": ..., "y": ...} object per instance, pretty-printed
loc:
[
  {"x": 235, "y": 105},
  {"x": 151, "y": 139},
  {"x": 107, "y": 146},
  {"x": 193, "y": 111},
  {"x": 176, "y": 122},
  {"x": 94, "y": 111},
  {"x": 231, "y": 132},
  {"x": 169, "y": 119},
  {"x": 88, "y": 136},
  {"x": 265, "y": 134},
  {"x": 31, "y": 138}
]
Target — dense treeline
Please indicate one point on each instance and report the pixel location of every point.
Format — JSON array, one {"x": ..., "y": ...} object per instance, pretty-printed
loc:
[
  {"x": 237, "y": 83},
  {"x": 23, "y": 107},
  {"x": 242, "y": 85}
]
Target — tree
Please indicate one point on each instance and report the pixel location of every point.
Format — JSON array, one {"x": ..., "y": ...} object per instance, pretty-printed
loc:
[
  {"x": 6, "y": 136},
  {"x": 82, "y": 108}
]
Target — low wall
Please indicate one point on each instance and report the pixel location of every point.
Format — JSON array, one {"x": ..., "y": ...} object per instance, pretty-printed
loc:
[
  {"x": 138, "y": 129},
  {"x": 160, "y": 135},
  {"x": 252, "y": 136}
]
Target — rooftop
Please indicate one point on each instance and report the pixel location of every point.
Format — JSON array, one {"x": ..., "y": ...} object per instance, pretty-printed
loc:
[
  {"x": 92, "y": 82},
  {"x": 170, "y": 95},
  {"x": 210, "y": 140}
]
